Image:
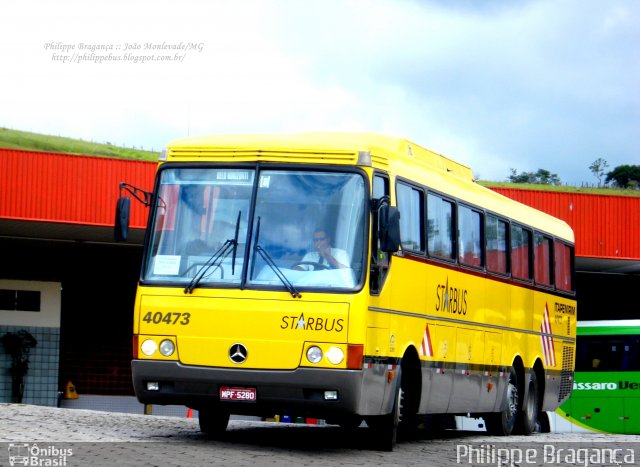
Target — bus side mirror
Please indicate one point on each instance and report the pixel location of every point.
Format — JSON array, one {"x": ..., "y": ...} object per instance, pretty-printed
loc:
[
  {"x": 389, "y": 225},
  {"x": 121, "y": 226}
]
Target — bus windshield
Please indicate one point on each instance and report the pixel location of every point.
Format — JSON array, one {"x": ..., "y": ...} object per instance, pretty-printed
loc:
[{"x": 307, "y": 228}]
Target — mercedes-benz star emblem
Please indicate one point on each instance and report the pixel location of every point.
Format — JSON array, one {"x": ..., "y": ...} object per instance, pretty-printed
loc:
[{"x": 238, "y": 353}]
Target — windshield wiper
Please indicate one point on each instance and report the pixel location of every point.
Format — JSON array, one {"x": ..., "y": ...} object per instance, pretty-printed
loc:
[
  {"x": 274, "y": 267},
  {"x": 216, "y": 259},
  {"x": 235, "y": 245},
  {"x": 213, "y": 262}
]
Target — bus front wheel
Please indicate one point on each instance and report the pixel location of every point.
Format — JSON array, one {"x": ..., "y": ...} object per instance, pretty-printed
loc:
[
  {"x": 385, "y": 427},
  {"x": 213, "y": 421}
]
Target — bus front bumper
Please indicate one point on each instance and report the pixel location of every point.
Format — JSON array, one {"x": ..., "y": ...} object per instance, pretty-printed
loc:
[{"x": 304, "y": 391}]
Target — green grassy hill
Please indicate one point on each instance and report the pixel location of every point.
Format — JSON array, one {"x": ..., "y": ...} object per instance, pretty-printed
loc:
[
  {"x": 562, "y": 188},
  {"x": 14, "y": 139}
]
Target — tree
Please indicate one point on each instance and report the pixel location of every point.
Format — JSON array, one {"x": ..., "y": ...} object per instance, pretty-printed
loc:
[
  {"x": 541, "y": 177},
  {"x": 625, "y": 176},
  {"x": 597, "y": 168},
  {"x": 545, "y": 177}
]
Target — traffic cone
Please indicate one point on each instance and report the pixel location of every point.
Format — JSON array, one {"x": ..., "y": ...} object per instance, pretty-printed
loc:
[
  {"x": 189, "y": 413},
  {"x": 70, "y": 391}
]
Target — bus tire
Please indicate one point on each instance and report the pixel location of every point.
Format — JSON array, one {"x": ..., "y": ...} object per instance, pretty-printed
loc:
[
  {"x": 346, "y": 422},
  {"x": 528, "y": 417},
  {"x": 503, "y": 423},
  {"x": 385, "y": 427},
  {"x": 213, "y": 421},
  {"x": 409, "y": 398},
  {"x": 543, "y": 425},
  {"x": 350, "y": 423}
]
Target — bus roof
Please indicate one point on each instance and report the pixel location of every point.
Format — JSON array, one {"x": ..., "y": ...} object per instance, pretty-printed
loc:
[
  {"x": 608, "y": 327},
  {"x": 312, "y": 143},
  {"x": 398, "y": 155}
]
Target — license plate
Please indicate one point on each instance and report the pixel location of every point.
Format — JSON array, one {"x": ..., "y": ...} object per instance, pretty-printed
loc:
[{"x": 238, "y": 394}]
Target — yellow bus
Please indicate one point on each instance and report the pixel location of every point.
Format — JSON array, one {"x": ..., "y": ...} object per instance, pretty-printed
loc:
[{"x": 348, "y": 277}]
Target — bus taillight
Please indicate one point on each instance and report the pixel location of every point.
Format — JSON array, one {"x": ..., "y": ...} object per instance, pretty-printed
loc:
[
  {"x": 135, "y": 346},
  {"x": 355, "y": 353}
]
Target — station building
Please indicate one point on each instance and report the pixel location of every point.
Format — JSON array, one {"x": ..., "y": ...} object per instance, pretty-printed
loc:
[{"x": 65, "y": 281}]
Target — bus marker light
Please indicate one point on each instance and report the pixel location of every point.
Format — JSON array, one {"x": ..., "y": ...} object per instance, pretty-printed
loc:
[
  {"x": 331, "y": 395},
  {"x": 391, "y": 375},
  {"x": 153, "y": 386},
  {"x": 167, "y": 348},
  {"x": 149, "y": 347},
  {"x": 335, "y": 355},
  {"x": 314, "y": 354}
]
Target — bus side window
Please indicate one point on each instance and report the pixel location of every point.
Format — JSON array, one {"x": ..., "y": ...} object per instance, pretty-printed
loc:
[
  {"x": 469, "y": 237},
  {"x": 563, "y": 256},
  {"x": 440, "y": 227},
  {"x": 410, "y": 202},
  {"x": 607, "y": 353},
  {"x": 542, "y": 259},
  {"x": 521, "y": 252},
  {"x": 497, "y": 244},
  {"x": 379, "y": 259}
]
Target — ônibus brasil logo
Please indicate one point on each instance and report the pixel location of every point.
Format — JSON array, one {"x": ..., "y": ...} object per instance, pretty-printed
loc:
[{"x": 32, "y": 454}]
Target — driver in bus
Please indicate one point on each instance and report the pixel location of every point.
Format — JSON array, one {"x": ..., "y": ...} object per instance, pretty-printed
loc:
[{"x": 324, "y": 254}]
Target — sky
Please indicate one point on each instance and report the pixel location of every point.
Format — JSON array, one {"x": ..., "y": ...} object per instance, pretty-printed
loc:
[{"x": 494, "y": 84}]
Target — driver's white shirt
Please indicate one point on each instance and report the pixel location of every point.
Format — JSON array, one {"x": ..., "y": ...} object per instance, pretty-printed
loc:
[{"x": 340, "y": 256}]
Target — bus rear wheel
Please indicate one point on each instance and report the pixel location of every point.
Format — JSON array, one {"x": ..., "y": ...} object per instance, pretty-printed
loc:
[
  {"x": 503, "y": 423},
  {"x": 213, "y": 421},
  {"x": 543, "y": 425},
  {"x": 528, "y": 418}
]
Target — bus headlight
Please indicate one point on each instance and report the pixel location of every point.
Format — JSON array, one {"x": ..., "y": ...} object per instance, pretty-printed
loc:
[
  {"x": 167, "y": 348},
  {"x": 149, "y": 347},
  {"x": 314, "y": 354},
  {"x": 335, "y": 355}
]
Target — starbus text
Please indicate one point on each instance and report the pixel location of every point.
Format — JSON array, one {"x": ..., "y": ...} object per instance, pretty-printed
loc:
[
  {"x": 451, "y": 299},
  {"x": 312, "y": 323}
]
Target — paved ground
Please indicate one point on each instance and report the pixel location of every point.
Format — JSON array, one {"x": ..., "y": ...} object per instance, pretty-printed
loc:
[{"x": 35, "y": 435}]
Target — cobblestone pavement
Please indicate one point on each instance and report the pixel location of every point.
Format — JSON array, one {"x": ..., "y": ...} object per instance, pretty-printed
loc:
[{"x": 35, "y": 435}]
